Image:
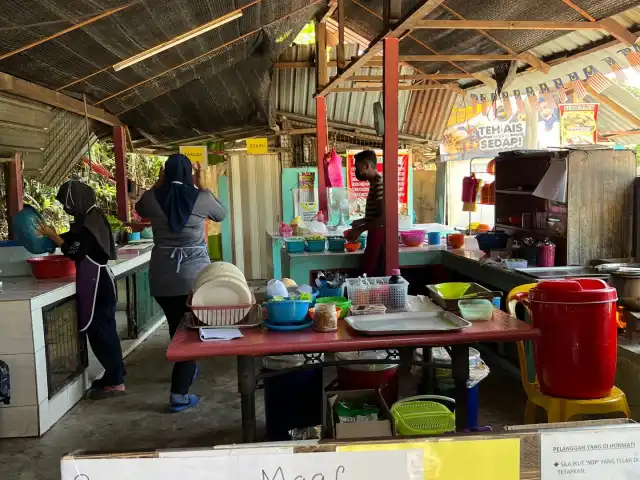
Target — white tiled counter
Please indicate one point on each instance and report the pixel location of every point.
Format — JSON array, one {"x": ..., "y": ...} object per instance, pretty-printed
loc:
[{"x": 22, "y": 346}]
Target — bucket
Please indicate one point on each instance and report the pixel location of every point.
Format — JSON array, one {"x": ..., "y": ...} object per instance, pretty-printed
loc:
[
  {"x": 445, "y": 384},
  {"x": 293, "y": 399},
  {"x": 575, "y": 356},
  {"x": 375, "y": 376}
]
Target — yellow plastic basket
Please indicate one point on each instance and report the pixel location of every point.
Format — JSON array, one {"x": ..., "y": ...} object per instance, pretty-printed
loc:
[{"x": 421, "y": 416}]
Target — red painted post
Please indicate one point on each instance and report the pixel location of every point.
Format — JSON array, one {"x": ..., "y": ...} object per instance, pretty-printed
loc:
[
  {"x": 15, "y": 196},
  {"x": 120, "y": 151},
  {"x": 321, "y": 149},
  {"x": 390, "y": 149}
]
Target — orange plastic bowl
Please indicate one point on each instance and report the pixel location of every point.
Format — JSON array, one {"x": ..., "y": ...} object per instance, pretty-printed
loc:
[
  {"x": 456, "y": 240},
  {"x": 352, "y": 247}
]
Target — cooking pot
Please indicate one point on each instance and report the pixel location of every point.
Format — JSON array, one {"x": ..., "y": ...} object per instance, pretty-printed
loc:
[
  {"x": 492, "y": 241},
  {"x": 628, "y": 288}
]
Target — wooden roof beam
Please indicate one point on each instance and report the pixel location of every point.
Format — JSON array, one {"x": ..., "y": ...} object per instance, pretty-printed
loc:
[
  {"x": 44, "y": 95},
  {"x": 613, "y": 105},
  {"x": 447, "y": 86},
  {"x": 399, "y": 29},
  {"x": 507, "y": 25},
  {"x": 428, "y": 76},
  {"x": 463, "y": 57},
  {"x": 610, "y": 25}
]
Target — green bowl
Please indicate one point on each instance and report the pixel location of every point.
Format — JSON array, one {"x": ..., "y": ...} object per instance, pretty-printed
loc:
[{"x": 340, "y": 302}]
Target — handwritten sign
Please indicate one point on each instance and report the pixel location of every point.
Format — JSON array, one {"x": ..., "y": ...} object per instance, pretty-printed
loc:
[
  {"x": 197, "y": 154},
  {"x": 445, "y": 460},
  {"x": 591, "y": 455},
  {"x": 257, "y": 146}
]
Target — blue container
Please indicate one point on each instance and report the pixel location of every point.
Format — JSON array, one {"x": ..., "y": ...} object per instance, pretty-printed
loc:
[
  {"x": 433, "y": 238},
  {"x": 330, "y": 292},
  {"x": 363, "y": 241},
  {"x": 25, "y": 227},
  {"x": 295, "y": 245},
  {"x": 472, "y": 402},
  {"x": 316, "y": 245},
  {"x": 287, "y": 311},
  {"x": 133, "y": 236},
  {"x": 336, "y": 244},
  {"x": 291, "y": 400}
]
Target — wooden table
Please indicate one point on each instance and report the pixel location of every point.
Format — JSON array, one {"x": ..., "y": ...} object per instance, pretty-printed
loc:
[{"x": 258, "y": 342}]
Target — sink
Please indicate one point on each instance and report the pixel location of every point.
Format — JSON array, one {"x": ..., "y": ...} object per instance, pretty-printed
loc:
[{"x": 550, "y": 273}]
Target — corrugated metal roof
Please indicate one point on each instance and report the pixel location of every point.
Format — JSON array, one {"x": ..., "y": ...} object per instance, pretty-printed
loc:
[
  {"x": 429, "y": 111},
  {"x": 295, "y": 87}
]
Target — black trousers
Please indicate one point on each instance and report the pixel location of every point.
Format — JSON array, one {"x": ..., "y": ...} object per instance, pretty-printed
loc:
[
  {"x": 103, "y": 334},
  {"x": 174, "y": 309}
]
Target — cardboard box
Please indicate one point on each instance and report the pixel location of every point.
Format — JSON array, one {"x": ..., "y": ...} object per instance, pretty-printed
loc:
[{"x": 383, "y": 428}]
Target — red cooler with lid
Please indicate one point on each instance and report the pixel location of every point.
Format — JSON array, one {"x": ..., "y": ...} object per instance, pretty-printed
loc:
[{"x": 575, "y": 356}]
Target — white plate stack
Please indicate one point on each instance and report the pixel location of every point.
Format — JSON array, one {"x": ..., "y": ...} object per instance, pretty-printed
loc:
[{"x": 221, "y": 295}]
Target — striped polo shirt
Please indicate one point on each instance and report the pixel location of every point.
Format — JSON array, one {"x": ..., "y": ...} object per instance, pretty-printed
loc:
[{"x": 376, "y": 195}]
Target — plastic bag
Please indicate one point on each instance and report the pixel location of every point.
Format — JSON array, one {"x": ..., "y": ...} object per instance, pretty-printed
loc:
[{"x": 333, "y": 169}]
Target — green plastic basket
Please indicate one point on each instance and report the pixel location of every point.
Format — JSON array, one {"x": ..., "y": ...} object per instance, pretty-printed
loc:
[{"x": 421, "y": 416}]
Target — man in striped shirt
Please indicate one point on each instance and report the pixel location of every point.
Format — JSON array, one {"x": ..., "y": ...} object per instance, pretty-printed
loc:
[{"x": 372, "y": 223}]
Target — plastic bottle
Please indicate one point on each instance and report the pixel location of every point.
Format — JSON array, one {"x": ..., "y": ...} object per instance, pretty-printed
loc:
[{"x": 396, "y": 278}]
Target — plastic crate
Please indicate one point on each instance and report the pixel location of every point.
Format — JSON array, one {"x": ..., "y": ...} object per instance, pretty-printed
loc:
[
  {"x": 316, "y": 245},
  {"x": 330, "y": 292},
  {"x": 378, "y": 291},
  {"x": 295, "y": 245}
]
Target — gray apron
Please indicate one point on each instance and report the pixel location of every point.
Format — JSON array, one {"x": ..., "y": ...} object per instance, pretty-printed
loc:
[{"x": 87, "y": 282}]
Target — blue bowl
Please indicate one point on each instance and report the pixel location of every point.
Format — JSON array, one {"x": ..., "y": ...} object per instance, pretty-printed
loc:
[
  {"x": 363, "y": 241},
  {"x": 25, "y": 226},
  {"x": 336, "y": 244},
  {"x": 133, "y": 236},
  {"x": 295, "y": 246},
  {"x": 316, "y": 245},
  {"x": 287, "y": 312}
]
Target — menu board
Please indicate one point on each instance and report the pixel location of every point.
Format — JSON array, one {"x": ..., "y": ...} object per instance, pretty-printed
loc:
[
  {"x": 361, "y": 188},
  {"x": 578, "y": 124}
]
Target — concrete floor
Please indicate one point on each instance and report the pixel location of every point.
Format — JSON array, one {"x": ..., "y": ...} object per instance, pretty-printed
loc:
[{"x": 138, "y": 422}]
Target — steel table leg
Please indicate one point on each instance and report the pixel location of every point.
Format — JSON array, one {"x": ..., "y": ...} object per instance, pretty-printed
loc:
[
  {"x": 460, "y": 365},
  {"x": 247, "y": 389},
  {"x": 427, "y": 371}
]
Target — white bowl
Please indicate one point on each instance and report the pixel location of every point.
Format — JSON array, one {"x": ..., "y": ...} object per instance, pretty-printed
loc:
[
  {"x": 217, "y": 269},
  {"x": 221, "y": 291}
]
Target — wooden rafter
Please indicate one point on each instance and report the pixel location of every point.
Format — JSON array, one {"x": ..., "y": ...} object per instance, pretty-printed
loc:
[
  {"x": 612, "y": 26},
  {"x": 35, "y": 92},
  {"x": 322, "y": 70},
  {"x": 67, "y": 30},
  {"x": 463, "y": 57},
  {"x": 422, "y": 76},
  {"x": 376, "y": 46},
  {"x": 341, "y": 25},
  {"x": 507, "y": 25},
  {"x": 448, "y": 86},
  {"x": 613, "y": 105}
]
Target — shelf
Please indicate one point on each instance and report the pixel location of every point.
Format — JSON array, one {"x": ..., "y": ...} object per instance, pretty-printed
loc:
[
  {"x": 516, "y": 192},
  {"x": 529, "y": 230}
]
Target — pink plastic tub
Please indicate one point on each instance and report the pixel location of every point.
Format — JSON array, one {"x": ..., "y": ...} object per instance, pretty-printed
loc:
[{"x": 412, "y": 238}]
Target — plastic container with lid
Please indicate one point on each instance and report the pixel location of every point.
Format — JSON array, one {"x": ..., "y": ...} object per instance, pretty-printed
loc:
[
  {"x": 383, "y": 376},
  {"x": 575, "y": 356}
]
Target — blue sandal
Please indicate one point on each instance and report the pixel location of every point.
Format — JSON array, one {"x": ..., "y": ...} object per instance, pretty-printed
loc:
[{"x": 191, "y": 401}]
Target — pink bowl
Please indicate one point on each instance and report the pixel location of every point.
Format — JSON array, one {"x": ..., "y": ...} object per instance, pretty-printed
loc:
[{"x": 412, "y": 237}]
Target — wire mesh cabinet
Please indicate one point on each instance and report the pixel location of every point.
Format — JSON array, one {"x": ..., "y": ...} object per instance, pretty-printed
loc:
[{"x": 142, "y": 309}]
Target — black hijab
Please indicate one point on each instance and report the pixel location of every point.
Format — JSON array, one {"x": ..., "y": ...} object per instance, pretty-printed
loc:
[
  {"x": 79, "y": 200},
  {"x": 177, "y": 195}
]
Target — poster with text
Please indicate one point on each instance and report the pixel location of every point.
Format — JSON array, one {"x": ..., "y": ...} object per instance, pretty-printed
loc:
[
  {"x": 305, "y": 196},
  {"x": 578, "y": 123},
  {"x": 361, "y": 188}
]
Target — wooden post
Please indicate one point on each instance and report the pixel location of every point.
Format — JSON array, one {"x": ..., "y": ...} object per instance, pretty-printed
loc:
[
  {"x": 391, "y": 13},
  {"x": 322, "y": 69},
  {"x": 391, "y": 51},
  {"x": 15, "y": 196},
  {"x": 321, "y": 149},
  {"x": 120, "y": 152},
  {"x": 340, "y": 49}
]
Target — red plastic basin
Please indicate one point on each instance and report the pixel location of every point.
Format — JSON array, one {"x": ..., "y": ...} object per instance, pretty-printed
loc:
[{"x": 52, "y": 266}]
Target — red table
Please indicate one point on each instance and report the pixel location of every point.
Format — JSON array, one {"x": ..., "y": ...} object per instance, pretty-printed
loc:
[{"x": 258, "y": 342}]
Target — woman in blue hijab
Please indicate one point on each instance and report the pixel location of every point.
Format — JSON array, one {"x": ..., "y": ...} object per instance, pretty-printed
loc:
[{"x": 178, "y": 208}]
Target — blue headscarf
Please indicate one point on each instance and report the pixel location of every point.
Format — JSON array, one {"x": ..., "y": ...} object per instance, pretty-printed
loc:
[{"x": 177, "y": 195}]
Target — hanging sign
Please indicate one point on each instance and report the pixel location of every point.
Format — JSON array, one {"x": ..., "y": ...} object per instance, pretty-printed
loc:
[
  {"x": 361, "y": 188},
  {"x": 305, "y": 196},
  {"x": 591, "y": 454},
  {"x": 443, "y": 460},
  {"x": 197, "y": 154},
  {"x": 257, "y": 146},
  {"x": 578, "y": 123}
]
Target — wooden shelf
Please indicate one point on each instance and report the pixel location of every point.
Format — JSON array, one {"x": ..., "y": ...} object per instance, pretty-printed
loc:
[
  {"x": 516, "y": 192},
  {"x": 529, "y": 230}
]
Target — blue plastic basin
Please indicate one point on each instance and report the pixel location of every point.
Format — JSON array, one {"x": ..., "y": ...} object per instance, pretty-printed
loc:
[{"x": 287, "y": 311}]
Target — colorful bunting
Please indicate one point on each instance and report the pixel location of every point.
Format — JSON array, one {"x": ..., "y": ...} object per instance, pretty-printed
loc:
[
  {"x": 578, "y": 88},
  {"x": 506, "y": 104},
  {"x": 485, "y": 104},
  {"x": 633, "y": 57},
  {"x": 474, "y": 102},
  {"x": 519, "y": 102},
  {"x": 548, "y": 96},
  {"x": 615, "y": 68},
  {"x": 494, "y": 104},
  {"x": 562, "y": 93},
  {"x": 596, "y": 80},
  {"x": 532, "y": 98}
]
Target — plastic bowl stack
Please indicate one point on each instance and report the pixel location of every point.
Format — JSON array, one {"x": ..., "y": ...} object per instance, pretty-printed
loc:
[{"x": 219, "y": 288}]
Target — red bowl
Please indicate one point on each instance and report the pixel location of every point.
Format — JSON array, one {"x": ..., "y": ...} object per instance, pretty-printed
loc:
[{"x": 52, "y": 266}]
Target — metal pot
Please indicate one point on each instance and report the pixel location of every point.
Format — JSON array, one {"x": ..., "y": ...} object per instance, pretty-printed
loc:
[{"x": 628, "y": 287}]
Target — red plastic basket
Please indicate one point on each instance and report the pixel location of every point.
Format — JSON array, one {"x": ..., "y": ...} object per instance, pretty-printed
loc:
[{"x": 52, "y": 266}]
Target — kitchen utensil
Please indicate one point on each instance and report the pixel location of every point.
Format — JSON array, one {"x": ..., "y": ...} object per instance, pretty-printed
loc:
[
  {"x": 455, "y": 240},
  {"x": 278, "y": 327},
  {"x": 316, "y": 246},
  {"x": 421, "y": 416},
  {"x": 406, "y": 323},
  {"x": 492, "y": 241},
  {"x": 546, "y": 255},
  {"x": 475, "y": 309},
  {"x": 412, "y": 238},
  {"x": 434, "y": 238},
  {"x": 222, "y": 291},
  {"x": 336, "y": 244},
  {"x": 275, "y": 288},
  {"x": 294, "y": 245},
  {"x": 26, "y": 224},
  {"x": 452, "y": 290},
  {"x": 352, "y": 247},
  {"x": 340, "y": 302},
  {"x": 451, "y": 304},
  {"x": 628, "y": 287},
  {"x": 52, "y": 266},
  {"x": 287, "y": 312}
]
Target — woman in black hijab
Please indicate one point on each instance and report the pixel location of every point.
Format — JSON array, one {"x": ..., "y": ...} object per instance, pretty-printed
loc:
[{"x": 89, "y": 244}]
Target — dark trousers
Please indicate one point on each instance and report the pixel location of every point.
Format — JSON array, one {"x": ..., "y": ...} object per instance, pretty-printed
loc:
[
  {"x": 103, "y": 334},
  {"x": 174, "y": 309}
]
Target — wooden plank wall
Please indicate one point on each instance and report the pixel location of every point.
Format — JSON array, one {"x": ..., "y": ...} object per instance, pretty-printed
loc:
[{"x": 600, "y": 205}]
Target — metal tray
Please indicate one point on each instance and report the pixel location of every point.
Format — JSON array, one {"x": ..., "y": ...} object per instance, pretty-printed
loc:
[
  {"x": 549, "y": 273},
  {"x": 406, "y": 323},
  {"x": 452, "y": 305}
]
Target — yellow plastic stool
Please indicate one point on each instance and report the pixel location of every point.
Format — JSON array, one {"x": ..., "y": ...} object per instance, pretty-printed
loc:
[{"x": 560, "y": 409}]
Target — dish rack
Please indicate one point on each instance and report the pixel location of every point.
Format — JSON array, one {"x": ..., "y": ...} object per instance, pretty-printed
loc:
[
  {"x": 378, "y": 291},
  {"x": 223, "y": 316}
]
